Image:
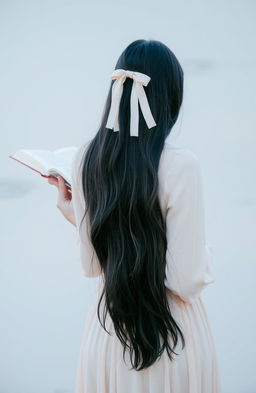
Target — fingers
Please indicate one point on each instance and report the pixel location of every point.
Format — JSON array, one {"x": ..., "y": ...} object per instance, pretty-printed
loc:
[
  {"x": 64, "y": 192},
  {"x": 52, "y": 180}
]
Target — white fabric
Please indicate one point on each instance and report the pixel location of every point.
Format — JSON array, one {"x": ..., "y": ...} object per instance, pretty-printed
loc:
[
  {"x": 189, "y": 270},
  {"x": 138, "y": 95}
]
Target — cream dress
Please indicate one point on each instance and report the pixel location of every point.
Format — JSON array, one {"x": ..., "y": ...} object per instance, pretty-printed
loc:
[{"x": 101, "y": 368}]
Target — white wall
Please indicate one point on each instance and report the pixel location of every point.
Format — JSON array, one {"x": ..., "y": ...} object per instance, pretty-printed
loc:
[{"x": 56, "y": 61}]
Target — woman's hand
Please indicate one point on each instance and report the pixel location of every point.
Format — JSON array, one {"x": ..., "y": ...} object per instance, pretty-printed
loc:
[{"x": 64, "y": 201}]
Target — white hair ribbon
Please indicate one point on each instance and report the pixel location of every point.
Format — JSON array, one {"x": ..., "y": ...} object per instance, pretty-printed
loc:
[{"x": 138, "y": 95}]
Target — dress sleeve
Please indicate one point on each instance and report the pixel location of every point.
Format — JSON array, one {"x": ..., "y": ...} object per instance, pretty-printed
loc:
[
  {"x": 88, "y": 257},
  {"x": 189, "y": 266}
]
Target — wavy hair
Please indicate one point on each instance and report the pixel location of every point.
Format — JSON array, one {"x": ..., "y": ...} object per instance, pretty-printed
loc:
[{"x": 127, "y": 227}]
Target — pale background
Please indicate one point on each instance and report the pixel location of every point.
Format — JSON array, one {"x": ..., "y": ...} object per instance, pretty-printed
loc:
[{"x": 56, "y": 61}]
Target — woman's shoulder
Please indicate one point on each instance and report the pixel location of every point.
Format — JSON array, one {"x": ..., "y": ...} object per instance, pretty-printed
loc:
[
  {"x": 79, "y": 154},
  {"x": 179, "y": 157},
  {"x": 77, "y": 161},
  {"x": 179, "y": 169}
]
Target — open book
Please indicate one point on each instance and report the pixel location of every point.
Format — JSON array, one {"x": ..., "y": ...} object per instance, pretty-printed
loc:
[{"x": 48, "y": 163}]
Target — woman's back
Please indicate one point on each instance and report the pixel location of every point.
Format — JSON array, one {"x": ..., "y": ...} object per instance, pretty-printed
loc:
[{"x": 189, "y": 270}]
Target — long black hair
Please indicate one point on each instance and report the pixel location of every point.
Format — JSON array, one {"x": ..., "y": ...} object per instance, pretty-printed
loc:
[{"x": 127, "y": 227}]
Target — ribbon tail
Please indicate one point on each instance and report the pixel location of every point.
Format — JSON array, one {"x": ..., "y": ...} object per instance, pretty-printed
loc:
[
  {"x": 112, "y": 121},
  {"x": 134, "y": 115},
  {"x": 116, "y": 122},
  {"x": 145, "y": 107}
]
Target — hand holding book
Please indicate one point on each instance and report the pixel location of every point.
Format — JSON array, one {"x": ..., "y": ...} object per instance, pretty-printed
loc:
[
  {"x": 64, "y": 201},
  {"x": 56, "y": 166}
]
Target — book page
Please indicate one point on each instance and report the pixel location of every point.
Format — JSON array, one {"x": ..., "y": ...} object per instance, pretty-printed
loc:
[
  {"x": 61, "y": 162},
  {"x": 35, "y": 158}
]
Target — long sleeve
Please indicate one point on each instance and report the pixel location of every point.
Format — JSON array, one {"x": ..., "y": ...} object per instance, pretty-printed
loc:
[
  {"x": 88, "y": 257},
  {"x": 189, "y": 266}
]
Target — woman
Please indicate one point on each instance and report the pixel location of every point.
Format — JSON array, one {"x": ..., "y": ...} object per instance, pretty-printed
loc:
[{"x": 137, "y": 204}]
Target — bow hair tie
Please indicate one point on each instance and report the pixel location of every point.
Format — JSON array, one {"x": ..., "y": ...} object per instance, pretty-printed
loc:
[{"x": 138, "y": 95}]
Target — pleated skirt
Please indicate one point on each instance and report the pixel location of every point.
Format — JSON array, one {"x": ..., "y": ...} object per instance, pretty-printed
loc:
[{"x": 102, "y": 369}]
